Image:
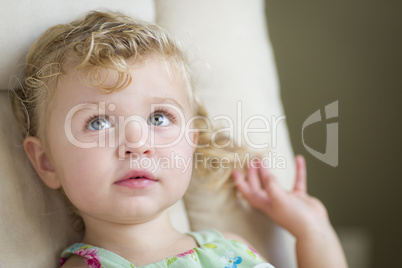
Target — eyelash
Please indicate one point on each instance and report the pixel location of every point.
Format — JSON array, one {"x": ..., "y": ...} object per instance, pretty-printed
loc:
[
  {"x": 162, "y": 110},
  {"x": 93, "y": 117},
  {"x": 165, "y": 111}
]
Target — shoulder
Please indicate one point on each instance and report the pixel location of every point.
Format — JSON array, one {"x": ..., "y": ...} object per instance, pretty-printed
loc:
[
  {"x": 75, "y": 262},
  {"x": 233, "y": 236}
]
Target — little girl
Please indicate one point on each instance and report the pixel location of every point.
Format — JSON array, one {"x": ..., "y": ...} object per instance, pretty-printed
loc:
[{"x": 110, "y": 120}]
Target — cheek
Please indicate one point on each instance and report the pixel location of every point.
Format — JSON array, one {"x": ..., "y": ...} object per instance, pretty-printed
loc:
[
  {"x": 177, "y": 136},
  {"x": 183, "y": 158},
  {"x": 79, "y": 169},
  {"x": 75, "y": 166},
  {"x": 166, "y": 137},
  {"x": 82, "y": 173}
]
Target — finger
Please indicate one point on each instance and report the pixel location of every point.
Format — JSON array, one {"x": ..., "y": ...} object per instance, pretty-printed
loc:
[
  {"x": 301, "y": 175},
  {"x": 253, "y": 178},
  {"x": 271, "y": 185},
  {"x": 257, "y": 199},
  {"x": 241, "y": 183},
  {"x": 264, "y": 173}
]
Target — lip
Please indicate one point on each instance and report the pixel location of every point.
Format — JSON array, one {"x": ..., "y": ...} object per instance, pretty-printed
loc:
[{"x": 143, "y": 179}]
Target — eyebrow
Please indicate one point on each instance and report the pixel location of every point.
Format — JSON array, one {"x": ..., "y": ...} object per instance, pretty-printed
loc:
[
  {"x": 169, "y": 100},
  {"x": 87, "y": 105},
  {"x": 82, "y": 106}
]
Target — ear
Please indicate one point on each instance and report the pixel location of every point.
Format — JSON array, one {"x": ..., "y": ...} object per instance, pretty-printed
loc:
[{"x": 40, "y": 161}]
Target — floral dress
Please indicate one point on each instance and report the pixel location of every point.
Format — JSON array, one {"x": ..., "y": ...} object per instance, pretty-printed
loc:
[{"x": 214, "y": 251}]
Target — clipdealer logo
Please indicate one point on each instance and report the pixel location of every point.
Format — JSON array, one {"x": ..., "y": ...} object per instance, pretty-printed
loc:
[{"x": 330, "y": 156}]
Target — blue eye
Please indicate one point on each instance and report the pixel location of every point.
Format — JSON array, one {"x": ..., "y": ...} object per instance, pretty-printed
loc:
[
  {"x": 159, "y": 119},
  {"x": 99, "y": 123}
]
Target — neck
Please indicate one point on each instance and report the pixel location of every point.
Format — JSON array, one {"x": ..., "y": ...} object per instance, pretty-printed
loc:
[{"x": 123, "y": 239}]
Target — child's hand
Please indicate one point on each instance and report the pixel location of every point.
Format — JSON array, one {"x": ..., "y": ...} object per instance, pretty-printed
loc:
[{"x": 296, "y": 211}]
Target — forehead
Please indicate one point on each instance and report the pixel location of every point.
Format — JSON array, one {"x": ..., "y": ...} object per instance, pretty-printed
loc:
[{"x": 151, "y": 80}]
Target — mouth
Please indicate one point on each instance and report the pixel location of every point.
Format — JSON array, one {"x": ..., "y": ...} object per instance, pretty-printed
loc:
[{"x": 137, "y": 179}]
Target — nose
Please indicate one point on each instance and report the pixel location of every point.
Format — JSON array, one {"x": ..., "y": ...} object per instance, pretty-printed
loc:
[
  {"x": 134, "y": 138},
  {"x": 126, "y": 153}
]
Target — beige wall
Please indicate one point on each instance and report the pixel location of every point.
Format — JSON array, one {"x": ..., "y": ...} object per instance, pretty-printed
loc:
[{"x": 348, "y": 51}]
